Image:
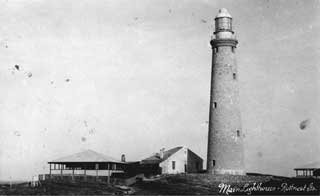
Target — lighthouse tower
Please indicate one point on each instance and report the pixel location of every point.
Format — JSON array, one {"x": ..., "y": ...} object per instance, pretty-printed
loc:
[{"x": 225, "y": 138}]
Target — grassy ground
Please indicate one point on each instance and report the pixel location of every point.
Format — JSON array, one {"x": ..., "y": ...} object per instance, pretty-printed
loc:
[
  {"x": 193, "y": 184},
  {"x": 203, "y": 184},
  {"x": 61, "y": 188},
  {"x": 181, "y": 184}
]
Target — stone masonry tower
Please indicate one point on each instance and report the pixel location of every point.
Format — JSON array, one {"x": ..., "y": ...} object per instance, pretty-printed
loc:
[{"x": 225, "y": 138}]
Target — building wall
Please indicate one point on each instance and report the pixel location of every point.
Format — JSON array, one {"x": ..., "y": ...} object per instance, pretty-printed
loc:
[
  {"x": 195, "y": 163},
  {"x": 185, "y": 161},
  {"x": 180, "y": 159},
  {"x": 225, "y": 146}
]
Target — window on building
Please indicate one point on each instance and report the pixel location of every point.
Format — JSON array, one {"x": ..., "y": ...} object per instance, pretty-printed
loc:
[
  {"x": 232, "y": 49},
  {"x": 217, "y": 50},
  {"x": 215, "y": 104},
  {"x": 197, "y": 165},
  {"x": 238, "y": 133},
  {"x": 213, "y": 163},
  {"x": 173, "y": 165},
  {"x": 234, "y": 76}
]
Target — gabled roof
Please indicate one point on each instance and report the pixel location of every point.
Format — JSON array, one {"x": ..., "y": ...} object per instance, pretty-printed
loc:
[
  {"x": 155, "y": 158},
  {"x": 86, "y": 156},
  {"x": 313, "y": 165}
]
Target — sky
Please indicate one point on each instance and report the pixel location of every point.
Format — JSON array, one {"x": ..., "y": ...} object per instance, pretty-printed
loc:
[{"x": 133, "y": 76}]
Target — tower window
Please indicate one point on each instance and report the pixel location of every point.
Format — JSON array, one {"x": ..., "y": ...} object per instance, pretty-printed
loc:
[
  {"x": 217, "y": 49},
  {"x": 232, "y": 49},
  {"x": 213, "y": 163},
  {"x": 234, "y": 76},
  {"x": 215, "y": 104},
  {"x": 238, "y": 133}
]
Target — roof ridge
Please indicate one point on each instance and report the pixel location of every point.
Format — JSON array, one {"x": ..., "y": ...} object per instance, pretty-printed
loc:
[{"x": 174, "y": 148}]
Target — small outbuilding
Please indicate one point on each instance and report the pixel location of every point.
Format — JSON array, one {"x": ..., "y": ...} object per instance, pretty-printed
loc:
[
  {"x": 176, "y": 160},
  {"x": 308, "y": 170}
]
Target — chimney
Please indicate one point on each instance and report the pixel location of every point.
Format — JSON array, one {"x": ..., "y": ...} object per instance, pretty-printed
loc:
[
  {"x": 123, "y": 158},
  {"x": 161, "y": 153}
]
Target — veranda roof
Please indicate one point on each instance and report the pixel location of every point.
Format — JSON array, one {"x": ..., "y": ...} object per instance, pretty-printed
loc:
[{"x": 86, "y": 156}]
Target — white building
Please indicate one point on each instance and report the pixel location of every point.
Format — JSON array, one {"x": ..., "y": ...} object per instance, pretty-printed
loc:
[{"x": 176, "y": 160}]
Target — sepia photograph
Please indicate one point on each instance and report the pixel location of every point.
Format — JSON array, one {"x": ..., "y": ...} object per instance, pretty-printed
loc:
[{"x": 159, "y": 97}]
